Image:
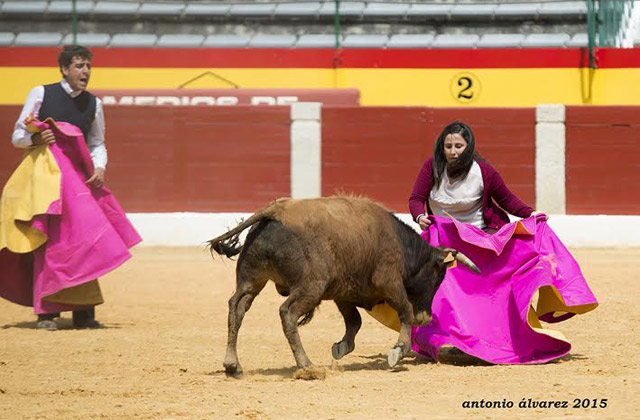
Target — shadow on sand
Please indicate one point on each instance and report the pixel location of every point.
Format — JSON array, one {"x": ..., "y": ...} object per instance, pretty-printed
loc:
[
  {"x": 62, "y": 324},
  {"x": 376, "y": 362}
]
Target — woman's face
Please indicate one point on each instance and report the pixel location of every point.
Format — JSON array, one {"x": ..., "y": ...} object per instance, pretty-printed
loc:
[{"x": 454, "y": 145}]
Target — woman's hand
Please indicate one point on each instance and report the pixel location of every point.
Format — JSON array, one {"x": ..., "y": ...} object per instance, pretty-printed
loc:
[
  {"x": 424, "y": 222},
  {"x": 535, "y": 213}
]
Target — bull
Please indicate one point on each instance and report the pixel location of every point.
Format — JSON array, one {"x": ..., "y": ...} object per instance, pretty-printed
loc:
[{"x": 347, "y": 249}]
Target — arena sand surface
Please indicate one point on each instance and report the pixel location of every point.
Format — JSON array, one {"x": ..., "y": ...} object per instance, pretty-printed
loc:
[{"x": 160, "y": 356}]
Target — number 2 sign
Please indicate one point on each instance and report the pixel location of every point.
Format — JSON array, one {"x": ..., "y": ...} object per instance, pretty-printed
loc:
[{"x": 465, "y": 87}]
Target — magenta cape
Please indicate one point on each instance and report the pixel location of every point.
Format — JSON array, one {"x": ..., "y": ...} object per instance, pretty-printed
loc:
[
  {"x": 87, "y": 234},
  {"x": 490, "y": 315}
]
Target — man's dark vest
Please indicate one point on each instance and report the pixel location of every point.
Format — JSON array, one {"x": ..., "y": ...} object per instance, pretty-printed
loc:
[{"x": 57, "y": 104}]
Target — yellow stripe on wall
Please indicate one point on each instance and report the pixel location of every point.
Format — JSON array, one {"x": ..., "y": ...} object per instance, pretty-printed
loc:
[
  {"x": 378, "y": 87},
  {"x": 618, "y": 86}
]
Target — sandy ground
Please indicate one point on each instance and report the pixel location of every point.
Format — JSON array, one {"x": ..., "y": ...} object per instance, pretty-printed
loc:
[{"x": 160, "y": 356}]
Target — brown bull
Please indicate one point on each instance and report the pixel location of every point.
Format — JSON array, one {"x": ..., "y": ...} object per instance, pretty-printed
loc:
[{"x": 349, "y": 250}]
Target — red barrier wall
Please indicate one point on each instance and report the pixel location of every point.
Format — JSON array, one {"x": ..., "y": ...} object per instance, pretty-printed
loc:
[
  {"x": 166, "y": 159},
  {"x": 9, "y": 155},
  {"x": 373, "y": 151},
  {"x": 603, "y": 160},
  {"x": 379, "y": 151},
  {"x": 188, "y": 159}
]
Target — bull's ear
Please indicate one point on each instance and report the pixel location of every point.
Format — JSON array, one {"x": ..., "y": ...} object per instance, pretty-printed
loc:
[{"x": 449, "y": 260}]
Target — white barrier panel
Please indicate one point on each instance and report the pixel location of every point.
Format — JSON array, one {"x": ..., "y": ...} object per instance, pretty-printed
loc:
[
  {"x": 597, "y": 231},
  {"x": 306, "y": 150},
  {"x": 194, "y": 229},
  {"x": 551, "y": 158},
  {"x": 183, "y": 229}
]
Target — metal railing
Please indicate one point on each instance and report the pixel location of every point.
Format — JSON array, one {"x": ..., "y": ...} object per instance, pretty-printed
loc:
[
  {"x": 613, "y": 17},
  {"x": 609, "y": 23}
]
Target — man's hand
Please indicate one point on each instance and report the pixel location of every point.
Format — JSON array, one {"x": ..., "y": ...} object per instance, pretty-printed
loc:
[
  {"x": 43, "y": 137},
  {"x": 97, "y": 179}
]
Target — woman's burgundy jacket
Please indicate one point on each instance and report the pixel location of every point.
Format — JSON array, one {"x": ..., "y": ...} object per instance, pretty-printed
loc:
[{"x": 495, "y": 197}]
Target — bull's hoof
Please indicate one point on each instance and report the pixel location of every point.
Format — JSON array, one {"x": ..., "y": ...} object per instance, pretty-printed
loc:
[
  {"x": 395, "y": 355},
  {"x": 423, "y": 318},
  {"x": 310, "y": 373},
  {"x": 232, "y": 369},
  {"x": 340, "y": 349}
]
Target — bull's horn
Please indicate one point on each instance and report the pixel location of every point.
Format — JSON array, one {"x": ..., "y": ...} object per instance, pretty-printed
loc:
[{"x": 463, "y": 259}]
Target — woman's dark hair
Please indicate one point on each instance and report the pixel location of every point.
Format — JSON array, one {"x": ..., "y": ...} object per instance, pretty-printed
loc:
[
  {"x": 69, "y": 51},
  {"x": 460, "y": 168}
]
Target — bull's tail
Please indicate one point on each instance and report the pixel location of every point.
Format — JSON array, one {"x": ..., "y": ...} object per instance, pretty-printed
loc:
[
  {"x": 229, "y": 247},
  {"x": 228, "y": 244}
]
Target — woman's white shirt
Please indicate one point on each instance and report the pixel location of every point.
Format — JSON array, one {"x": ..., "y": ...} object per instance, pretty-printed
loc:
[{"x": 462, "y": 198}]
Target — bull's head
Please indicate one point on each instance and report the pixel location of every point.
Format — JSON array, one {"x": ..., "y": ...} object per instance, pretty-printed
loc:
[{"x": 422, "y": 287}]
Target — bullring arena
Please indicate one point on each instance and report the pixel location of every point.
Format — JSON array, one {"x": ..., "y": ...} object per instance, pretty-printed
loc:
[
  {"x": 161, "y": 351},
  {"x": 215, "y": 108}
]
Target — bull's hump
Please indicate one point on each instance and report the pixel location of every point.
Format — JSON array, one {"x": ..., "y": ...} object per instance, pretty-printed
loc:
[{"x": 331, "y": 212}]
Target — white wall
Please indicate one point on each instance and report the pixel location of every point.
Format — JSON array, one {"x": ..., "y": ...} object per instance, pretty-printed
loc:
[{"x": 194, "y": 229}]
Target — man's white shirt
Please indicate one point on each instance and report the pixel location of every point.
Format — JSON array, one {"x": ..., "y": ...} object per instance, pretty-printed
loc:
[{"x": 95, "y": 138}]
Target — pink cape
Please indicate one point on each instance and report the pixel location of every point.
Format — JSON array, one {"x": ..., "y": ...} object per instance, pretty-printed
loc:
[
  {"x": 489, "y": 315},
  {"x": 88, "y": 233}
]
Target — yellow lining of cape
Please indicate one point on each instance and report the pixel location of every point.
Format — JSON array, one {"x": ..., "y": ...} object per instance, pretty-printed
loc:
[
  {"x": 30, "y": 190},
  {"x": 386, "y": 315},
  {"x": 88, "y": 293},
  {"x": 549, "y": 300}
]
